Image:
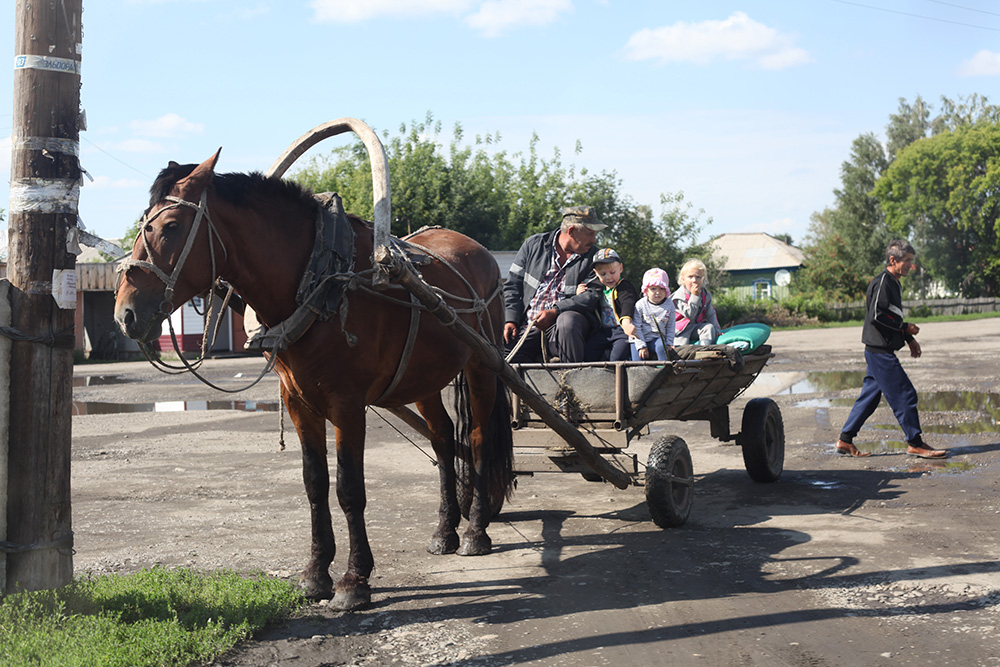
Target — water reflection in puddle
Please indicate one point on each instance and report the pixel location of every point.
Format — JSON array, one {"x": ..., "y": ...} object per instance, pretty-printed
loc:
[
  {"x": 99, "y": 408},
  {"x": 793, "y": 383},
  {"x": 823, "y": 484},
  {"x": 985, "y": 405},
  {"x": 95, "y": 380}
]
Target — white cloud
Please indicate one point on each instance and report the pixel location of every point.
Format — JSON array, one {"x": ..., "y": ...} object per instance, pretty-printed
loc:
[
  {"x": 169, "y": 125},
  {"x": 736, "y": 38},
  {"x": 353, "y": 11},
  {"x": 495, "y": 16},
  {"x": 984, "y": 63}
]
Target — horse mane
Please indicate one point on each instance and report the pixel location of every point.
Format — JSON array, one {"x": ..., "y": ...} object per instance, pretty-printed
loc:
[{"x": 236, "y": 188}]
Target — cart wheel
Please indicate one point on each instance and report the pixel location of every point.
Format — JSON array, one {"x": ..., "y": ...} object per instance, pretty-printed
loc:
[
  {"x": 669, "y": 482},
  {"x": 463, "y": 489},
  {"x": 763, "y": 440}
]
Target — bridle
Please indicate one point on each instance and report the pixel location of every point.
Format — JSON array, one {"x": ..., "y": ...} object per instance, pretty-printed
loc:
[{"x": 170, "y": 281}]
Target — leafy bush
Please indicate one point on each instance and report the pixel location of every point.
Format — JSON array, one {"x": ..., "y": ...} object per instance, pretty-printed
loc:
[{"x": 736, "y": 309}]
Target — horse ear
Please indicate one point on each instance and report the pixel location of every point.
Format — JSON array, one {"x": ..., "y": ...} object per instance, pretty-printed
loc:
[
  {"x": 202, "y": 174},
  {"x": 214, "y": 158}
]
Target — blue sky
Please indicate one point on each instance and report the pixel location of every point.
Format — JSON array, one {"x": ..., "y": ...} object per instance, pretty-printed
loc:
[{"x": 749, "y": 108}]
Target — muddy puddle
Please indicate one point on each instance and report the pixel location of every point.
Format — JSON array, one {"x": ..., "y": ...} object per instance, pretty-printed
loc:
[{"x": 102, "y": 408}]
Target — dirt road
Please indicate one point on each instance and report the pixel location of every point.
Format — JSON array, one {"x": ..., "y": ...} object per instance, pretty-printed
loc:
[{"x": 881, "y": 561}]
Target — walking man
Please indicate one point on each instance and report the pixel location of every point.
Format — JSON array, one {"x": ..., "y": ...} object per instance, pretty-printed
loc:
[{"x": 883, "y": 333}]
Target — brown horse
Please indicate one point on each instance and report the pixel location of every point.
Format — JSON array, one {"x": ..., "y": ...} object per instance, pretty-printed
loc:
[{"x": 257, "y": 233}]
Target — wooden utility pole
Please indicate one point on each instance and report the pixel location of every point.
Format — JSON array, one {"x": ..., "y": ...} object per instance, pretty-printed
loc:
[{"x": 44, "y": 195}]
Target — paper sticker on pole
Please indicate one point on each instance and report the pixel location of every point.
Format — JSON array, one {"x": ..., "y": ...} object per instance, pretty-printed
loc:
[
  {"x": 47, "y": 63},
  {"x": 64, "y": 288}
]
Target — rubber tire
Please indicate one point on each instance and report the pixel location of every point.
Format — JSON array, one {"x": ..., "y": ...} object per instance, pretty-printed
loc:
[
  {"x": 669, "y": 482},
  {"x": 463, "y": 490},
  {"x": 763, "y": 440}
]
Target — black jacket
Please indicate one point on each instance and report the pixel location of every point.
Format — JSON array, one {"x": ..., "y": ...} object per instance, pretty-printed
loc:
[
  {"x": 531, "y": 263},
  {"x": 884, "y": 328},
  {"x": 624, "y": 297}
]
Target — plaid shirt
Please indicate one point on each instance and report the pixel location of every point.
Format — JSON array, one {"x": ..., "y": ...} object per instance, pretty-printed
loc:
[{"x": 550, "y": 287}]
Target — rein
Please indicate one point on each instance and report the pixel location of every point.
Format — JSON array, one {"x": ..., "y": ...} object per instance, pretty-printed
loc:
[{"x": 170, "y": 281}]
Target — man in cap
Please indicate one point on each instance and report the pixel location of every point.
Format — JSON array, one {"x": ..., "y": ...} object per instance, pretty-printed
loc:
[{"x": 542, "y": 289}]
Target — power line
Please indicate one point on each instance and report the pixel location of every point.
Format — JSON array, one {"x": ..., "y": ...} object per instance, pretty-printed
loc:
[
  {"x": 970, "y": 9},
  {"x": 918, "y": 16},
  {"x": 115, "y": 158}
]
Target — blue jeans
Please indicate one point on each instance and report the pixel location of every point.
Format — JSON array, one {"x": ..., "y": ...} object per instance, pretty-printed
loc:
[
  {"x": 886, "y": 377},
  {"x": 655, "y": 346},
  {"x": 607, "y": 344}
]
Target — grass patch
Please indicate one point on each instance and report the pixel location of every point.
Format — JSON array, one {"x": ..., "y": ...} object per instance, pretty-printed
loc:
[{"x": 153, "y": 618}]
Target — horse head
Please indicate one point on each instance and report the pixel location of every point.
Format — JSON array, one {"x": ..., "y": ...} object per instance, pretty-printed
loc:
[{"x": 174, "y": 256}]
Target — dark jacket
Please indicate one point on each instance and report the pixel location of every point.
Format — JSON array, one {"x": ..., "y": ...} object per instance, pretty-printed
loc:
[
  {"x": 531, "y": 263},
  {"x": 623, "y": 300},
  {"x": 884, "y": 328}
]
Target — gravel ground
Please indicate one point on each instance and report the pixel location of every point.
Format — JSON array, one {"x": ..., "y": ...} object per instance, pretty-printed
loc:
[{"x": 881, "y": 561}]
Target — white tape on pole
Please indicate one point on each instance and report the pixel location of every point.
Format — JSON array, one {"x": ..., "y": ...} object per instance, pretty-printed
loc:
[{"x": 44, "y": 195}]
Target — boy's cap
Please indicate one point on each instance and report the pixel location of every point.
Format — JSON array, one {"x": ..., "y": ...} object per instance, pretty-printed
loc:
[
  {"x": 606, "y": 256},
  {"x": 584, "y": 215}
]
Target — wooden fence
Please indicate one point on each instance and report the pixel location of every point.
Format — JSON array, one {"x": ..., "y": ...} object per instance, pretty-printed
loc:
[{"x": 855, "y": 310}]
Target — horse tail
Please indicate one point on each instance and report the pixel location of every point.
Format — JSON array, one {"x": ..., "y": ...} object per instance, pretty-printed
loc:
[
  {"x": 499, "y": 433},
  {"x": 498, "y": 444}
]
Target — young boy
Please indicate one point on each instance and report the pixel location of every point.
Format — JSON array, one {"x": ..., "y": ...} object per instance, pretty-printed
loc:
[
  {"x": 654, "y": 318},
  {"x": 615, "y": 308},
  {"x": 697, "y": 322}
]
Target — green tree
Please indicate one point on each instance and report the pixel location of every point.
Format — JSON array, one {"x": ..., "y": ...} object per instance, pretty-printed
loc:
[
  {"x": 500, "y": 198},
  {"x": 666, "y": 242},
  {"x": 831, "y": 270},
  {"x": 857, "y": 223},
  {"x": 942, "y": 192}
]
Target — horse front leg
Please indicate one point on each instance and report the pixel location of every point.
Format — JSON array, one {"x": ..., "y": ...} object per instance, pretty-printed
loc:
[
  {"x": 316, "y": 583},
  {"x": 353, "y": 590},
  {"x": 445, "y": 537}
]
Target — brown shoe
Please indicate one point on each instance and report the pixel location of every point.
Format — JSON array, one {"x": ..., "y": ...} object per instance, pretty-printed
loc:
[
  {"x": 848, "y": 449},
  {"x": 925, "y": 452}
]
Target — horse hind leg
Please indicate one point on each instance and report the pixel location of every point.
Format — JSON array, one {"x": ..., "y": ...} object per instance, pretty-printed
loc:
[
  {"x": 353, "y": 591},
  {"x": 445, "y": 537},
  {"x": 316, "y": 583},
  {"x": 491, "y": 444}
]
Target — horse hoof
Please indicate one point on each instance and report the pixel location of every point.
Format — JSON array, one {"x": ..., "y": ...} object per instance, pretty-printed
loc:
[
  {"x": 349, "y": 599},
  {"x": 443, "y": 545},
  {"x": 476, "y": 546},
  {"x": 316, "y": 588}
]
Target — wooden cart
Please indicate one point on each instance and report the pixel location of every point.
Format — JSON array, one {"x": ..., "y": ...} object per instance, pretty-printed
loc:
[{"x": 613, "y": 404}]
